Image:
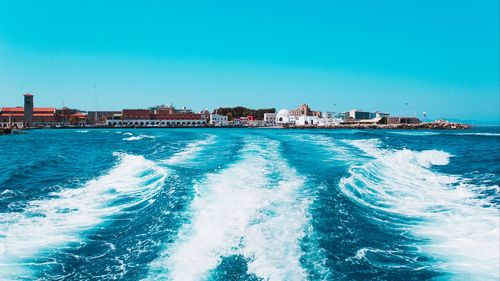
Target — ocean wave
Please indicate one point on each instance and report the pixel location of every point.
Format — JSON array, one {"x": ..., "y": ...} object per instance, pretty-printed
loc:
[
  {"x": 62, "y": 220},
  {"x": 190, "y": 150},
  {"x": 250, "y": 209},
  {"x": 338, "y": 152},
  {"x": 82, "y": 131},
  {"x": 139, "y": 137},
  {"x": 413, "y": 133},
  {"x": 461, "y": 229},
  {"x": 478, "y": 134}
]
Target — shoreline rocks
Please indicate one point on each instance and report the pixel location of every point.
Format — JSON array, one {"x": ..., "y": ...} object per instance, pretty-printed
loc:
[{"x": 435, "y": 125}]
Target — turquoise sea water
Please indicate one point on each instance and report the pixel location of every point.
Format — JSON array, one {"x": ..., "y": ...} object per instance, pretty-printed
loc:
[{"x": 250, "y": 204}]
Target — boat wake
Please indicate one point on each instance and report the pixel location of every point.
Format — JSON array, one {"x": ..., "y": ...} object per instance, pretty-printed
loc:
[
  {"x": 51, "y": 223},
  {"x": 139, "y": 137},
  {"x": 251, "y": 209},
  {"x": 457, "y": 227},
  {"x": 190, "y": 151}
]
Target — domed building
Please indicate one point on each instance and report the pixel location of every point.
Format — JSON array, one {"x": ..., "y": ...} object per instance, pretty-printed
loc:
[{"x": 283, "y": 117}]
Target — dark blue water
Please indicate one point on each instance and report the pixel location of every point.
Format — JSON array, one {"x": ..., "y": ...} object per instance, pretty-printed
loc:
[{"x": 250, "y": 204}]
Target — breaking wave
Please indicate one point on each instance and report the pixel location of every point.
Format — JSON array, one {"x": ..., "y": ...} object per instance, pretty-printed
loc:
[
  {"x": 251, "y": 209},
  {"x": 62, "y": 220},
  {"x": 478, "y": 134},
  {"x": 458, "y": 228},
  {"x": 190, "y": 151},
  {"x": 414, "y": 133},
  {"x": 139, "y": 137}
]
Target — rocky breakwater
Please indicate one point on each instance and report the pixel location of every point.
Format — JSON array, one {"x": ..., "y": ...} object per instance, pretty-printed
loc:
[
  {"x": 438, "y": 124},
  {"x": 442, "y": 124}
]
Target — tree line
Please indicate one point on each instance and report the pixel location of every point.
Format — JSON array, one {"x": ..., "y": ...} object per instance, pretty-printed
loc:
[{"x": 240, "y": 111}]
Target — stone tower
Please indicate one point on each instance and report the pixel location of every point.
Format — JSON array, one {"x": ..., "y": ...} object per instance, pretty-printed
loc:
[{"x": 28, "y": 111}]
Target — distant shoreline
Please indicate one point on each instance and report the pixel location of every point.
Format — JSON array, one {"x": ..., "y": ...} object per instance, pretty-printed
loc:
[
  {"x": 340, "y": 127},
  {"x": 436, "y": 125}
]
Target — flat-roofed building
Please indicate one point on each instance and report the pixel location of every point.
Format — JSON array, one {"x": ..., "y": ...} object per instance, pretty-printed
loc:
[
  {"x": 218, "y": 120},
  {"x": 403, "y": 120},
  {"x": 270, "y": 118},
  {"x": 156, "y": 118},
  {"x": 100, "y": 117}
]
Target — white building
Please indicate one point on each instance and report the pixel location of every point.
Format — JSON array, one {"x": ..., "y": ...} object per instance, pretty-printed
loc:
[
  {"x": 307, "y": 120},
  {"x": 218, "y": 120},
  {"x": 270, "y": 118},
  {"x": 283, "y": 117},
  {"x": 330, "y": 118}
]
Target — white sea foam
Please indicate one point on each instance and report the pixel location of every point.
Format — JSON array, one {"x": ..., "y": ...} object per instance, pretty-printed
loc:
[
  {"x": 251, "y": 209},
  {"x": 479, "y": 134},
  {"x": 82, "y": 131},
  {"x": 414, "y": 133},
  {"x": 462, "y": 233},
  {"x": 190, "y": 151},
  {"x": 49, "y": 223},
  {"x": 139, "y": 137},
  {"x": 339, "y": 152}
]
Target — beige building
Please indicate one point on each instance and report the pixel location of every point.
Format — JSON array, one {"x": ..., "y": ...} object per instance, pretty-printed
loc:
[{"x": 304, "y": 110}]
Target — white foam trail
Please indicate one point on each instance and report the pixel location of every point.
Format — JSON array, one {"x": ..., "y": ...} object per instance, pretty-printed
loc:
[
  {"x": 462, "y": 230},
  {"x": 414, "y": 133},
  {"x": 50, "y": 223},
  {"x": 339, "y": 152},
  {"x": 82, "y": 131},
  {"x": 190, "y": 151},
  {"x": 139, "y": 137},
  {"x": 478, "y": 134},
  {"x": 242, "y": 210}
]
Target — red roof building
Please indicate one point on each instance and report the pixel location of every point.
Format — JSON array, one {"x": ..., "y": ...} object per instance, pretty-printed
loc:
[
  {"x": 15, "y": 115},
  {"x": 136, "y": 114},
  {"x": 155, "y": 117}
]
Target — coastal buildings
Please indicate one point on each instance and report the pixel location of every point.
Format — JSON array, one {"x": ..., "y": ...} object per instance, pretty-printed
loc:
[
  {"x": 270, "y": 118},
  {"x": 360, "y": 117},
  {"x": 99, "y": 118},
  {"x": 283, "y": 117},
  {"x": 357, "y": 116},
  {"x": 305, "y": 120},
  {"x": 402, "y": 120},
  {"x": 159, "y": 116},
  {"x": 14, "y": 117},
  {"x": 218, "y": 120},
  {"x": 169, "y": 116},
  {"x": 302, "y": 116},
  {"x": 304, "y": 110},
  {"x": 30, "y": 116}
]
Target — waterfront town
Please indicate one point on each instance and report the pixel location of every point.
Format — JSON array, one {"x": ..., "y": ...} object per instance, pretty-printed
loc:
[{"x": 30, "y": 116}]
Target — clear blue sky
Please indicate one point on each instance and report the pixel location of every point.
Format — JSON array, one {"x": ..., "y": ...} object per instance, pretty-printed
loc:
[{"x": 441, "y": 57}]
